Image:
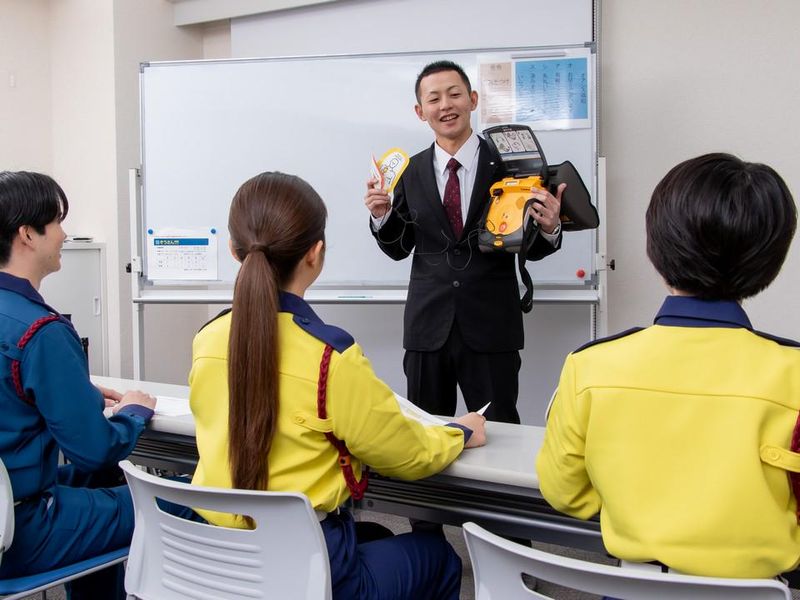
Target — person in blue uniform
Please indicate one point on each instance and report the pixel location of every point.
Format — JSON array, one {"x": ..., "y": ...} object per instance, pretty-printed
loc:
[
  {"x": 684, "y": 436},
  {"x": 49, "y": 405},
  {"x": 284, "y": 402}
]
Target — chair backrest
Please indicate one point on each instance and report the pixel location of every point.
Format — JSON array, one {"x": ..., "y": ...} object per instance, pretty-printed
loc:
[
  {"x": 498, "y": 565},
  {"x": 285, "y": 556},
  {"x": 6, "y": 511}
]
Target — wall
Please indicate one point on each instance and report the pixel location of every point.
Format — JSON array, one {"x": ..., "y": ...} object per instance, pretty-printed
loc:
[
  {"x": 84, "y": 132},
  {"x": 679, "y": 79},
  {"x": 25, "y": 117},
  {"x": 163, "y": 41}
]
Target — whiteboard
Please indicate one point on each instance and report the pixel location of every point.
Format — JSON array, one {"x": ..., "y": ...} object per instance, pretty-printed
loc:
[{"x": 207, "y": 126}]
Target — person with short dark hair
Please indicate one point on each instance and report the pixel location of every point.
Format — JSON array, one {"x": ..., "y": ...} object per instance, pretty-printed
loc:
[
  {"x": 463, "y": 321},
  {"x": 681, "y": 435},
  {"x": 70, "y": 513}
]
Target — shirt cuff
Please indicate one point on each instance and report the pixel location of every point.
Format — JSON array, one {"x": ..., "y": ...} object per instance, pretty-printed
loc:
[
  {"x": 467, "y": 431},
  {"x": 551, "y": 237},
  {"x": 137, "y": 410},
  {"x": 377, "y": 222}
]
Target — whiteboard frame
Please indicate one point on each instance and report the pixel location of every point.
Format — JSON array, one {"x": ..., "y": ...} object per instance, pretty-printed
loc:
[{"x": 143, "y": 292}]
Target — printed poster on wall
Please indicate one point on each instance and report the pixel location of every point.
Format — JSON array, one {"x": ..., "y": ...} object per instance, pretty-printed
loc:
[
  {"x": 543, "y": 93},
  {"x": 182, "y": 254}
]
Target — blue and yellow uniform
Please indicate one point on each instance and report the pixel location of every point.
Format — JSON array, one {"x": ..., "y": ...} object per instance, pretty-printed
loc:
[
  {"x": 58, "y": 520},
  {"x": 362, "y": 411},
  {"x": 679, "y": 436}
]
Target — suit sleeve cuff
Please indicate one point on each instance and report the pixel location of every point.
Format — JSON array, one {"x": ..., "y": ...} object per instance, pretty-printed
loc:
[
  {"x": 467, "y": 431},
  {"x": 136, "y": 410}
]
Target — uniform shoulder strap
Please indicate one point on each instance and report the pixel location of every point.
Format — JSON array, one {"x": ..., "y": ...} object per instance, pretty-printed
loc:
[
  {"x": 357, "y": 488},
  {"x": 16, "y": 365}
]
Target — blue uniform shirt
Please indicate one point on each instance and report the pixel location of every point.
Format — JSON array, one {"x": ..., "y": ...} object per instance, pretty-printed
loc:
[{"x": 68, "y": 410}]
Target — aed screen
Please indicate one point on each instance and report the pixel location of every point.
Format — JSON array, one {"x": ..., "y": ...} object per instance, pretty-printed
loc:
[{"x": 513, "y": 141}]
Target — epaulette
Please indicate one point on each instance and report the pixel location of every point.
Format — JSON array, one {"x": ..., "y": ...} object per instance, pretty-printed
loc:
[
  {"x": 610, "y": 338},
  {"x": 335, "y": 337},
  {"x": 778, "y": 340},
  {"x": 209, "y": 322}
]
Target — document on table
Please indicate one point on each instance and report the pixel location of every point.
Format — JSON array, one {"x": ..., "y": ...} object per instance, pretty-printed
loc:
[
  {"x": 169, "y": 406},
  {"x": 415, "y": 412}
]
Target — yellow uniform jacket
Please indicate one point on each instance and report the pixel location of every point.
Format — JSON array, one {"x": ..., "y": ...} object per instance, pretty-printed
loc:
[
  {"x": 362, "y": 411},
  {"x": 679, "y": 436}
]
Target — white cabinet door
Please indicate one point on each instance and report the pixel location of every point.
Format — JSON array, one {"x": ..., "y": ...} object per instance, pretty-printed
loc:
[{"x": 78, "y": 289}]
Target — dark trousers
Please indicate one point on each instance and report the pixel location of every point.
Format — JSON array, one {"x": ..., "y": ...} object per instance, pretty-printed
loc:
[
  {"x": 77, "y": 519},
  {"x": 482, "y": 376},
  {"x": 409, "y": 566}
]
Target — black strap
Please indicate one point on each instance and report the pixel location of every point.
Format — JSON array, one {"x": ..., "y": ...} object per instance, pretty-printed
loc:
[{"x": 529, "y": 234}]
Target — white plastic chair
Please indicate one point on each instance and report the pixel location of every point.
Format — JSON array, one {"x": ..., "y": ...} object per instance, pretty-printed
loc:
[
  {"x": 20, "y": 587},
  {"x": 498, "y": 565},
  {"x": 6, "y": 511},
  {"x": 285, "y": 556}
]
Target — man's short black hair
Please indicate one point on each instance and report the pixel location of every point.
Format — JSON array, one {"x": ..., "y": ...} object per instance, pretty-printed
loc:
[
  {"x": 438, "y": 67},
  {"x": 719, "y": 228},
  {"x": 31, "y": 199}
]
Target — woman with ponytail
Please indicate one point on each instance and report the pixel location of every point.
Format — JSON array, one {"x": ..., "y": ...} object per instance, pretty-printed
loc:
[{"x": 279, "y": 397}]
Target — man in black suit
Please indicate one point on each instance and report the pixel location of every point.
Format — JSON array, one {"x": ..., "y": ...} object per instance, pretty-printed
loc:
[{"x": 463, "y": 322}]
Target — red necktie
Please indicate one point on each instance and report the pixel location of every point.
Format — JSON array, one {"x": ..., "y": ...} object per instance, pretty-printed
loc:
[{"x": 452, "y": 198}]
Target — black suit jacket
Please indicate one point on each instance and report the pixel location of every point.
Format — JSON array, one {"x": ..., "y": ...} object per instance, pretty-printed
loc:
[{"x": 452, "y": 280}]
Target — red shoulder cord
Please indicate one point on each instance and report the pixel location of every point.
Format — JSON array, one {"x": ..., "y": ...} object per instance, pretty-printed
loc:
[
  {"x": 794, "y": 478},
  {"x": 357, "y": 488},
  {"x": 16, "y": 374}
]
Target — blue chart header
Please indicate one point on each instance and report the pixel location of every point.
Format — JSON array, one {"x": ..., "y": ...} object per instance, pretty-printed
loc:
[{"x": 180, "y": 241}]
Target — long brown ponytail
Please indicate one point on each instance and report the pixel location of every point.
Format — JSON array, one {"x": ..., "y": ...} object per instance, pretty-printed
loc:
[{"x": 274, "y": 220}]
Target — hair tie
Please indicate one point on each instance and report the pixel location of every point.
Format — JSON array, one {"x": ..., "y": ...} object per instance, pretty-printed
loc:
[{"x": 263, "y": 248}]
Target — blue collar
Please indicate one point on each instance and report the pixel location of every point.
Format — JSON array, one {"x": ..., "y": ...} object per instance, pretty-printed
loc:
[
  {"x": 307, "y": 319},
  {"x": 24, "y": 288},
  {"x": 291, "y": 303},
  {"x": 21, "y": 286},
  {"x": 687, "y": 311}
]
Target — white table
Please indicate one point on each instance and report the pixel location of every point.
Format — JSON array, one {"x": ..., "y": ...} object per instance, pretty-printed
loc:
[{"x": 495, "y": 485}]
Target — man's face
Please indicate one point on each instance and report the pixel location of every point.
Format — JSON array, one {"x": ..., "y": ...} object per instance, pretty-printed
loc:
[
  {"x": 48, "y": 247},
  {"x": 445, "y": 104}
]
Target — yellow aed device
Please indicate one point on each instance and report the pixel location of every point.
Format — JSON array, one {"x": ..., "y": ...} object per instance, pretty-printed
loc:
[
  {"x": 508, "y": 224},
  {"x": 509, "y": 212}
]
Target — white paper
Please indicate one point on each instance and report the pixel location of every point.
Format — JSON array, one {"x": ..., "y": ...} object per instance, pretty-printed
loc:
[
  {"x": 169, "y": 406},
  {"x": 415, "y": 412},
  {"x": 182, "y": 254}
]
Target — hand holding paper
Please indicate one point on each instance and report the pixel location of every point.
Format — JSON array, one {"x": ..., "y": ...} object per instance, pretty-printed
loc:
[
  {"x": 384, "y": 175},
  {"x": 477, "y": 423}
]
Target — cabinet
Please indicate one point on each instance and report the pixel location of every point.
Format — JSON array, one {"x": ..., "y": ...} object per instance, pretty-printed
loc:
[{"x": 79, "y": 290}]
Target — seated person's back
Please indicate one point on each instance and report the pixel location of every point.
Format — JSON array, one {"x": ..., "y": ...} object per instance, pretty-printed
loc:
[
  {"x": 680, "y": 434},
  {"x": 274, "y": 390}
]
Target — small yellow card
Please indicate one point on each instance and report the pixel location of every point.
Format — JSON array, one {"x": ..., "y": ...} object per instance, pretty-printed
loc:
[{"x": 388, "y": 169}]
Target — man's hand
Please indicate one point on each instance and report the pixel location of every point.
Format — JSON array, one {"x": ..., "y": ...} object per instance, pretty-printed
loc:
[
  {"x": 547, "y": 208},
  {"x": 111, "y": 397},
  {"x": 377, "y": 200},
  {"x": 135, "y": 397},
  {"x": 477, "y": 423}
]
